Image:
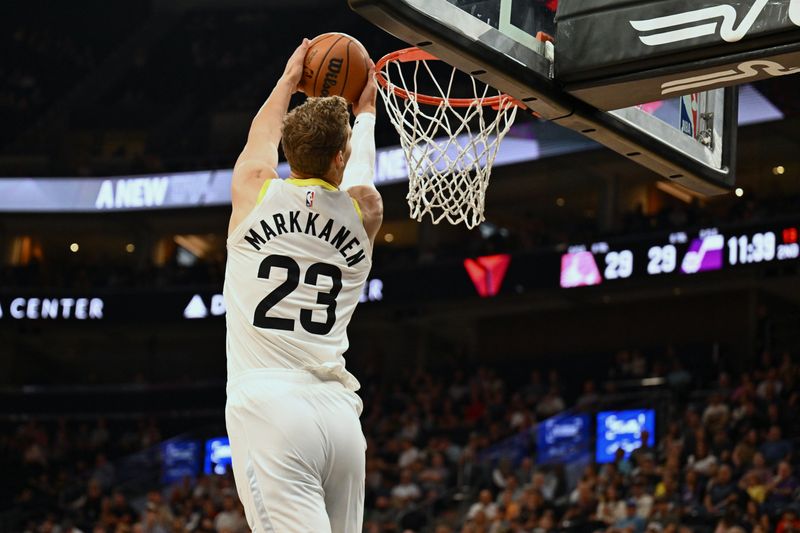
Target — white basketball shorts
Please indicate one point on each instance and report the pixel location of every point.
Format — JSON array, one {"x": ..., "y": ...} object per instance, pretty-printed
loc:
[{"x": 298, "y": 452}]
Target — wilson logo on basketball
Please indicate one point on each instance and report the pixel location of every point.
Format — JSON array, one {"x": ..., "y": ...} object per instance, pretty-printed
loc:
[{"x": 332, "y": 75}]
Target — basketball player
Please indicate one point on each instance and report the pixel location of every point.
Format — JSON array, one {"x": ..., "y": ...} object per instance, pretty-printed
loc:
[{"x": 299, "y": 251}]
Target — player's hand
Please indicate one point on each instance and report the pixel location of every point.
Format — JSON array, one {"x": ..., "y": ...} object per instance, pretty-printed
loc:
[
  {"x": 366, "y": 102},
  {"x": 293, "y": 73}
]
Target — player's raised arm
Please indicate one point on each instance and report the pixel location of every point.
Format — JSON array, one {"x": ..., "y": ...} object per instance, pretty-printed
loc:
[
  {"x": 359, "y": 175},
  {"x": 259, "y": 159}
]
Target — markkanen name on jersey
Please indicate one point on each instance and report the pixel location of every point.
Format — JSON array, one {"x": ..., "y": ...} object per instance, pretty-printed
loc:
[{"x": 293, "y": 222}]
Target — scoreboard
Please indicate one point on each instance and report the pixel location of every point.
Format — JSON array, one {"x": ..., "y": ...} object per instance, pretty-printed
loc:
[{"x": 679, "y": 253}]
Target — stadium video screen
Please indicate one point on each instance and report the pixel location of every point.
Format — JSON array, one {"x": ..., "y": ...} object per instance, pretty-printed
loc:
[
  {"x": 180, "y": 458},
  {"x": 562, "y": 438},
  {"x": 623, "y": 429},
  {"x": 218, "y": 456}
]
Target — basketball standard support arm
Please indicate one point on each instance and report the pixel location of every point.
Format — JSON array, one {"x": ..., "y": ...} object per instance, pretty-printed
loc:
[{"x": 360, "y": 169}]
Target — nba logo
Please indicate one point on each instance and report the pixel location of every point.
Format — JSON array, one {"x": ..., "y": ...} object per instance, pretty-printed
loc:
[
  {"x": 689, "y": 114},
  {"x": 309, "y": 198}
]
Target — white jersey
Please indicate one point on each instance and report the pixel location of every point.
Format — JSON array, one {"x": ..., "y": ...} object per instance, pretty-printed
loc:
[{"x": 296, "y": 269}]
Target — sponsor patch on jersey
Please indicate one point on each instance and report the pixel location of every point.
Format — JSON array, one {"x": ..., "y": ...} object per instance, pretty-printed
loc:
[{"x": 309, "y": 198}]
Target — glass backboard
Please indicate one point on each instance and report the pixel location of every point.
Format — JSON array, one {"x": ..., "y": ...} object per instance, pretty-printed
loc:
[{"x": 688, "y": 139}]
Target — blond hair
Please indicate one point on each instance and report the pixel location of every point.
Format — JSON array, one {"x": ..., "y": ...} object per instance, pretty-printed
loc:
[{"x": 314, "y": 132}]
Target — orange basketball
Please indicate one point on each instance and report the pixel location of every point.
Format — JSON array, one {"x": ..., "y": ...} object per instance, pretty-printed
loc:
[{"x": 335, "y": 65}]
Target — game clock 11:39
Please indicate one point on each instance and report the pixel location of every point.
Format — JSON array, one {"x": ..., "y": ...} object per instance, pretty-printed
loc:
[{"x": 763, "y": 247}]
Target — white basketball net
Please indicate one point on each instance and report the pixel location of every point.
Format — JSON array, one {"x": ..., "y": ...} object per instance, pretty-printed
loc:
[{"x": 449, "y": 150}]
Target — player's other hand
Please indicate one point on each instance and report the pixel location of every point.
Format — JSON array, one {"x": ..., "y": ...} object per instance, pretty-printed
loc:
[
  {"x": 366, "y": 102},
  {"x": 293, "y": 73}
]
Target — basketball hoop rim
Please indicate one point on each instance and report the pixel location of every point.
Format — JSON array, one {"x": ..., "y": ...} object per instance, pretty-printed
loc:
[{"x": 407, "y": 55}]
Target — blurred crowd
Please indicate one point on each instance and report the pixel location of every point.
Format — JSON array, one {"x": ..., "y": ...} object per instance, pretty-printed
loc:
[
  {"x": 49, "y": 50},
  {"x": 215, "y": 68},
  {"x": 724, "y": 460}
]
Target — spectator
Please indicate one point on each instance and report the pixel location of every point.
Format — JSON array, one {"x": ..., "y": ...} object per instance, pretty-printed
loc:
[
  {"x": 775, "y": 448},
  {"x": 678, "y": 377},
  {"x": 534, "y": 390},
  {"x": 406, "y": 490},
  {"x": 589, "y": 396},
  {"x": 644, "y": 451},
  {"x": 156, "y": 504},
  {"x": 701, "y": 461},
  {"x": 747, "y": 447},
  {"x": 755, "y": 490},
  {"x": 409, "y": 454},
  {"x": 632, "y": 520},
  {"x": 532, "y": 505},
  {"x": 501, "y": 473},
  {"x": 667, "y": 486},
  {"x": 665, "y": 514},
  {"x": 435, "y": 478},
  {"x": 103, "y": 471},
  {"x": 672, "y": 440},
  {"x": 476, "y": 408},
  {"x": 692, "y": 494},
  {"x": 120, "y": 508},
  {"x": 547, "y": 523},
  {"x": 643, "y": 499},
  {"x": 781, "y": 490},
  {"x": 721, "y": 492},
  {"x": 789, "y": 522},
  {"x": 150, "y": 522},
  {"x": 520, "y": 417},
  {"x": 611, "y": 508},
  {"x": 770, "y": 387},
  {"x": 99, "y": 437},
  {"x": 485, "y": 505},
  {"x": 381, "y": 513},
  {"x": 89, "y": 505},
  {"x": 551, "y": 403},
  {"x": 716, "y": 415},
  {"x": 759, "y": 470},
  {"x": 745, "y": 390},
  {"x": 508, "y": 510},
  {"x": 546, "y": 484},
  {"x": 525, "y": 471},
  {"x": 622, "y": 463},
  {"x": 231, "y": 518}
]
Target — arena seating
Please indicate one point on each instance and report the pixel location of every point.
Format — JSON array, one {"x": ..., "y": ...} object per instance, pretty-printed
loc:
[{"x": 724, "y": 461}]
